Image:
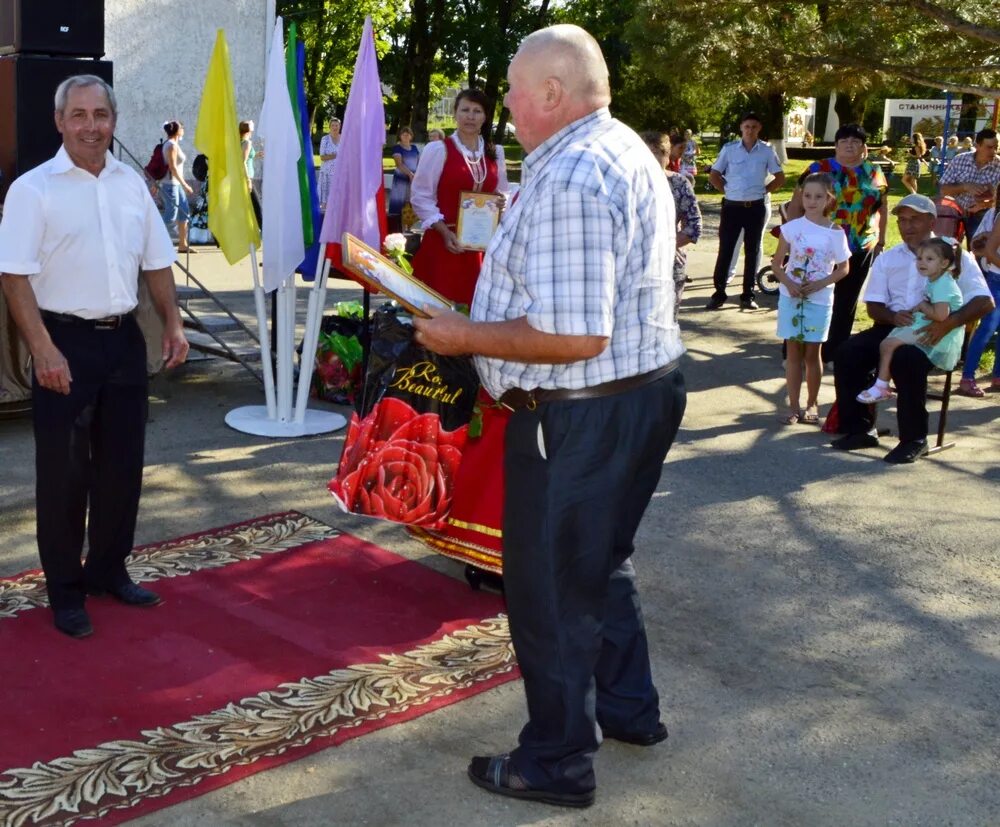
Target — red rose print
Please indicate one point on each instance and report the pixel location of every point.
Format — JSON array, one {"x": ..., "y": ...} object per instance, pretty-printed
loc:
[{"x": 399, "y": 465}]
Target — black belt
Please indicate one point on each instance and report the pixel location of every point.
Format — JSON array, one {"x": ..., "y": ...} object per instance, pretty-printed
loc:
[
  {"x": 743, "y": 203},
  {"x": 517, "y": 398},
  {"x": 106, "y": 323}
]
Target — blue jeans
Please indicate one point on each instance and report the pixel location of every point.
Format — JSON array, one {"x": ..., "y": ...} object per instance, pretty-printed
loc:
[
  {"x": 987, "y": 327},
  {"x": 175, "y": 204}
]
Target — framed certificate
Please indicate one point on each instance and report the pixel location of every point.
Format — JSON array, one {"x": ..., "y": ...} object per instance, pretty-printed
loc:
[
  {"x": 382, "y": 274},
  {"x": 478, "y": 216}
]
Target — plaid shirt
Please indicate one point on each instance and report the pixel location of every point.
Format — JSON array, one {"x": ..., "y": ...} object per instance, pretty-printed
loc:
[
  {"x": 962, "y": 169},
  {"x": 587, "y": 249}
]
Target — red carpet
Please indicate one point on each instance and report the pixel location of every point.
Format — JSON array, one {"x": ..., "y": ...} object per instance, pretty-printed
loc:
[{"x": 277, "y": 637}]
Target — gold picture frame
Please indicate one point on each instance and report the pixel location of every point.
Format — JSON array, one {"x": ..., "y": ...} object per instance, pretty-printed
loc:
[{"x": 382, "y": 274}]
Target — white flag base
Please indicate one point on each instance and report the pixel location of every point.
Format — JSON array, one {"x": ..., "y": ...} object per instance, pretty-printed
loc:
[{"x": 254, "y": 419}]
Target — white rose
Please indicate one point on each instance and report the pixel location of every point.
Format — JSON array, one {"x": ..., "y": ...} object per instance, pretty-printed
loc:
[{"x": 395, "y": 243}]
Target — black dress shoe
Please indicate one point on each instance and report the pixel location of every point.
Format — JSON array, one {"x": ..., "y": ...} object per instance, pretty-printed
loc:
[
  {"x": 714, "y": 303},
  {"x": 73, "y": 622},
  {"x": 128, "y": 593},
  {"x": 907, "y": 452},
  {"x": 496, "y": 774},
  {"x": 749, "y": 304},
  {"x": 852, "y": 442},
  {"x": 640, "y": 739}
]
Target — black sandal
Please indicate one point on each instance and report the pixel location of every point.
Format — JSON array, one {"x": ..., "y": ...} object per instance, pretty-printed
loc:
[{"x": 495, "y": 773}]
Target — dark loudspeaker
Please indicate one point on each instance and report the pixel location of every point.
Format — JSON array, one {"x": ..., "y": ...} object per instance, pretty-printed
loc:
[
  {"x": 52, "y": 27},
  {"x": 28, "y": 134}
]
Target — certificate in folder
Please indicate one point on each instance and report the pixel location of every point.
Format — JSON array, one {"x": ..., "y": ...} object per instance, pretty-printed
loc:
[{"x": 478, "y": 216}]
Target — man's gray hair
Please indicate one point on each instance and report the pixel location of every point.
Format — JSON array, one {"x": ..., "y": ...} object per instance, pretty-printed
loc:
[
  {"x": 574, "y": 57},
  {"x": 79, "y": 81}
]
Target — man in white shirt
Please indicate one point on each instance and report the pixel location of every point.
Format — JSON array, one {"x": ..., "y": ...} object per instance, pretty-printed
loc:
[
  {"x": 76, "y": 232},
  {"x": 895, "y": 287}
]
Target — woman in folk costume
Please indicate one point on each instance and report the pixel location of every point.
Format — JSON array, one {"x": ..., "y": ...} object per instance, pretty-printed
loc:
[{"x": 466, "y": 161}]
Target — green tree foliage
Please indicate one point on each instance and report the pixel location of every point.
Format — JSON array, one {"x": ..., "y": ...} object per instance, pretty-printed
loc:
[{"x": 331, "y": 31}]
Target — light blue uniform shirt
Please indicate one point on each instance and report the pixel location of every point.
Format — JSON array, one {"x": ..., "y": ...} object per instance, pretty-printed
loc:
[{"x": 746, "y": 172}]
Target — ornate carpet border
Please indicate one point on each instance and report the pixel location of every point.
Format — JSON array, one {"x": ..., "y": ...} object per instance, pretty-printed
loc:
[
  {"x": 196, "y": 552},
  {"x": 120, "y": 774}
]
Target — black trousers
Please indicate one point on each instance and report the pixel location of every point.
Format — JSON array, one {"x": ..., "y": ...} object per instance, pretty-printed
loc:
[
  {"x": 845, "y": 303},
  {"x": 579, "y": 475},
  {"x": 750, "y": 217},
  {"x": 88, "y": 458},
  {"x": 854, "y": 370}
]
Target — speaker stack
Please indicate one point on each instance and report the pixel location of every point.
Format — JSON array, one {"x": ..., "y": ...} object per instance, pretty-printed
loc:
[{"x": 42, "y": 44}]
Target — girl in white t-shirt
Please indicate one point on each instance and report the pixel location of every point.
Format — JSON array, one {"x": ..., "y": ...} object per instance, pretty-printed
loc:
[{"x": 818, "y": 257}]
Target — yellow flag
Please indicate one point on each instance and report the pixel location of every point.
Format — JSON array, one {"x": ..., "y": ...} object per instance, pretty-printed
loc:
[{"x": 230, "y": 213}]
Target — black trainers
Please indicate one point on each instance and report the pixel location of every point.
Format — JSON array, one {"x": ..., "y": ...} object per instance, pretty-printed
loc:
[
  {"x": 852, "y": 442},
  {"x": 73, "y": 622},
  {"x": 907, "y": 452},
  {"x": 714, "y": 303},
  {"x": 749, "y": 304}
]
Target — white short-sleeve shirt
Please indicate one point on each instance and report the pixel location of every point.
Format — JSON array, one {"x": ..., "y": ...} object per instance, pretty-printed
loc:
[
  {"x": 82, "y": 239},
  {"x": 813, "y": 252}
]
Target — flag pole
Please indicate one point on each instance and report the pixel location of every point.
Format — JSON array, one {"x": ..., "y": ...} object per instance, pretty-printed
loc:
[
  {"x": 265, "y": 346},
  {"x": 310, "y": 341}
]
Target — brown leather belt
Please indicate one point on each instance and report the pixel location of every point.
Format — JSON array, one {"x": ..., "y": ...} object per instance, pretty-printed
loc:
[
  {"x": 516, "y": 399},
  {"x": 107, "y": 323}
]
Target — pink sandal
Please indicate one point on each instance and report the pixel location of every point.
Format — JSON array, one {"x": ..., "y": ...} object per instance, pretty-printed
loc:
[
  {"x": 968, "y": 387},
  {"x": 875, "y": 394}
]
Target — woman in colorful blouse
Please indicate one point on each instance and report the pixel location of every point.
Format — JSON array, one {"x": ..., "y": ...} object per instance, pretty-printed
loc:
[{"x": 862, "y": 211}]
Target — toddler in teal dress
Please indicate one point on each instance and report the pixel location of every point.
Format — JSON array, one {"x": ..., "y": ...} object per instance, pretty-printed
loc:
[{"x": 939, "y": 261}]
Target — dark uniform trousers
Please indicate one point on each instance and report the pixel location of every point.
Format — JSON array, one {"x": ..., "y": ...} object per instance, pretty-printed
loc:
[
  {"x": 89, "y": 457},
  {"x": 750, "y": 217},
  {"x": 854, "y": 367},
  {"x": 579, "y": 475}
]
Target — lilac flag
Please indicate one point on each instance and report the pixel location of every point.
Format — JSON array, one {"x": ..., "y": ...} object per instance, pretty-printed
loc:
[{"x": 356, "y": 203}]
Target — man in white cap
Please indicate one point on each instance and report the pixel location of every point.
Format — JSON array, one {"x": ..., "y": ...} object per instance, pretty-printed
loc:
[{"x": 894, "y": 289}]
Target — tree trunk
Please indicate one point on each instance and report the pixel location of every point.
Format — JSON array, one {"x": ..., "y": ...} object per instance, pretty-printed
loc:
[
  {"x": 775, "y": 127},
  {"x": 496, "y": 68},
  {"x": 850, "y": 108},
  {"x": 428, "y": 24},
  {"x": 404, "y": 88},
  {"x": 970, "y": 111}
]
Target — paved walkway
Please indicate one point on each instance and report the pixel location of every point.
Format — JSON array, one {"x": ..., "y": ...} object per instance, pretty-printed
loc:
[{"x": 825, "y": 628}]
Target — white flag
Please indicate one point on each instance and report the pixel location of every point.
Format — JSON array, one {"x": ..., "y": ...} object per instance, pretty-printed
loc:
[{"x": 283, "y": 243}]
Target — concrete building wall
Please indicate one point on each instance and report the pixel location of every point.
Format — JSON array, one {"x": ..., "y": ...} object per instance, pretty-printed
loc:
[{"x": 161, "y": 49}]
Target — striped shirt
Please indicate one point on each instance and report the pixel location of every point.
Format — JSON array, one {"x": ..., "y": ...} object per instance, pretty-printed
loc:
[{"x": 587, "y": 249}]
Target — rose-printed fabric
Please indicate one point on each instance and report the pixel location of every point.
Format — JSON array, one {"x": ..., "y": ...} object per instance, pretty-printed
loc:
[
  {"x": 399, "y": 465},
  {"x": 405, "y": 441}
]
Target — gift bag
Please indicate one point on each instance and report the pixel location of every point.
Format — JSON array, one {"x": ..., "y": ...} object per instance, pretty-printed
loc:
[
  {"x": 406, "y": 437},
  {"x": 337, "y": 372}
]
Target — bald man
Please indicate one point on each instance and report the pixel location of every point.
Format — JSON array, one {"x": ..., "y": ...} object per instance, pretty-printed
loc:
[{"x": 573, "y": 329}]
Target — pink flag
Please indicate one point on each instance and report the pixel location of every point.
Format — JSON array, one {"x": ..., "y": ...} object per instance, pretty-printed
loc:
[{"x": 356, "y": 203}]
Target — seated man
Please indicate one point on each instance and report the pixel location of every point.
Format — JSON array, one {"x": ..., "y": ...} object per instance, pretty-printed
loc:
[{"x": 894, "y": 289}]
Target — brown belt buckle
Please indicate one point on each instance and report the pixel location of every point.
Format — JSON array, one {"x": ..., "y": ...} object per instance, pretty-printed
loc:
[
  {"x": 109, "y": 323},
  {"x": 518, "y": 398}
]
